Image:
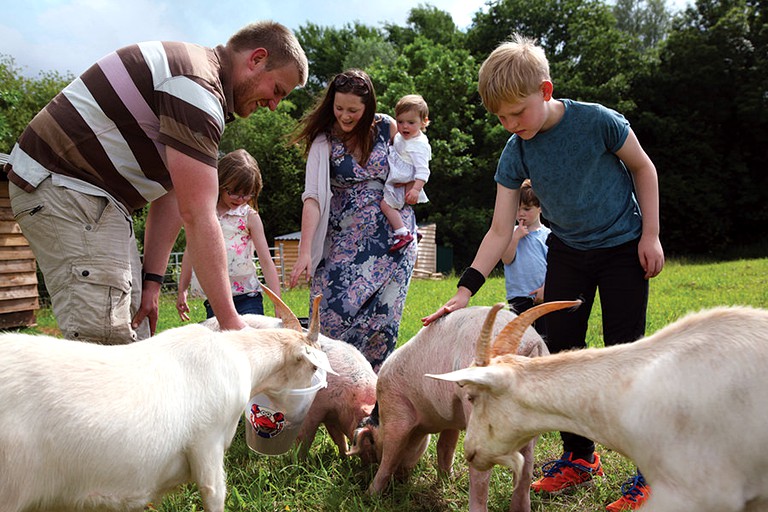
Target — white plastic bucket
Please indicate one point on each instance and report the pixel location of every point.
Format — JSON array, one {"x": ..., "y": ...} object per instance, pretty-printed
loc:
[{"x": 273, "y": 422}]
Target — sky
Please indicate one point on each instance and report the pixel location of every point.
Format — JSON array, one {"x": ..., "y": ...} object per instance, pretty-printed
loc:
[{"x": 68, "y": 36}]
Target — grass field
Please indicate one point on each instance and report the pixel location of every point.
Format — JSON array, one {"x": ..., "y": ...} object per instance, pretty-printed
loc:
[{"x": 326, "y": 483}]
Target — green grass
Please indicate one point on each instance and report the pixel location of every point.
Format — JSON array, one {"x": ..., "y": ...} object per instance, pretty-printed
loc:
[{"x": 326, "y": 483}]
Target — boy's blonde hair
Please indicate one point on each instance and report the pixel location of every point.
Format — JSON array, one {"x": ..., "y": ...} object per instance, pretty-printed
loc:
[
  {"x": 239, "y": 173},
  {"x": 415, "y": 102},
  {"x": 513, "y": 71}
]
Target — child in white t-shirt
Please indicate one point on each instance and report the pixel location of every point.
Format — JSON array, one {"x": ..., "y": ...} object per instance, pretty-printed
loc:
[{"x": 408, "y": 165}]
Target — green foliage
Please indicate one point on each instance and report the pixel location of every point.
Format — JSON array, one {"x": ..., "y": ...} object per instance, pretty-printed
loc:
[
  {"x": 590, "y": 58},
  {"x": 705, "y": 124},
  {"x": 366, "y": 52},
  {"x": 430, "y": 23},
  {"x": 647, "y": 20},
  {"x": 22, "y": 98}
]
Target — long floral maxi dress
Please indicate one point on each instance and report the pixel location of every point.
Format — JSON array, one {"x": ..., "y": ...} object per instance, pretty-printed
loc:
[{"x": 364, "y": 286}]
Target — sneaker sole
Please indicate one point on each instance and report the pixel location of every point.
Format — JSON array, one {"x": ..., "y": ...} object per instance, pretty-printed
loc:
[{"x": 566, "y": 490}]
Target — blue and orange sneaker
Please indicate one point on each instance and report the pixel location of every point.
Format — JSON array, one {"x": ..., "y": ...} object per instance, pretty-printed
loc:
[
  {"x": 566, "y": 473},
  {"x": 634, "y": 492}
]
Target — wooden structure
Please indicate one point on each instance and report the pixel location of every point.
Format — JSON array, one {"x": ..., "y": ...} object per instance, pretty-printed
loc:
[
  {"x": 426, "y": 261},
  {"x": 18, "y": 269},
  {"x": 287, "y": 253}
]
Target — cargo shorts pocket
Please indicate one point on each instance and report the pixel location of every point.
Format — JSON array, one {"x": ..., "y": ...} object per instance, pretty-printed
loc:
[{"x": 98, "y": 305}]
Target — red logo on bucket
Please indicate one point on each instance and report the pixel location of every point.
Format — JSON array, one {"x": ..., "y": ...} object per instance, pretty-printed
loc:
[{"x": 265, "y": 422}]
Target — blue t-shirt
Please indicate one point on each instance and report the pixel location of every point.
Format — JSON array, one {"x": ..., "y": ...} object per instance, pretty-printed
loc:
[
  {"x": 529, "y": 268},
  {"x": 586, "y": 192}
]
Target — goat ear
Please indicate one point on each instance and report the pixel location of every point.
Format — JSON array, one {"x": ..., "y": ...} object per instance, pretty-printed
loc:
[
  {"x": 318, "y": 358},
  {"x": 482, "y": 376}
]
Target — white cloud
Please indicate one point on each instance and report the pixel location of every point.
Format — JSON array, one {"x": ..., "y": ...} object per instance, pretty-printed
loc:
[{"x": 70, "y": 35}]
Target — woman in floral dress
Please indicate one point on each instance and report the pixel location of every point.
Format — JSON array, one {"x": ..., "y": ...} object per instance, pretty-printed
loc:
[{"x": 345, "y": 238}]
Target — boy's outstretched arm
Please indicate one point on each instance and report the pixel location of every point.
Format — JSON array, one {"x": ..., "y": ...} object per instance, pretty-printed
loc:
[
  {"x": 646, "y": 181},
  {"x": 491, "y": 248}
]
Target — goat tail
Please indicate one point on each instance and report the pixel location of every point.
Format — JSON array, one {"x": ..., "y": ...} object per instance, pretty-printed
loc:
[
  {"x": 484, "y": 340},
  {"x": 508, "y": 340}
]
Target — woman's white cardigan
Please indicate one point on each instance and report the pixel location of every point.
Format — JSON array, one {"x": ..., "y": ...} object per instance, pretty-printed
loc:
[{"x": 317, "y": 185}]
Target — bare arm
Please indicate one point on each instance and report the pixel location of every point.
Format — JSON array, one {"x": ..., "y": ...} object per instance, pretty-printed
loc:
[
  {"x": 488, "y": 255},
  {"x": 268, "y": 267},
  {"x": 162, "y": 228},
  {"x": 310, "y": 218},
  {"x": 508, "y": 256},
  {"x": 646, "y": 181},
  {"x": 196, "y": 186}
]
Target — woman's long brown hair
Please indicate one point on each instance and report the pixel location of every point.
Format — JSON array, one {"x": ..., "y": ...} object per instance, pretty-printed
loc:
[{"x": 321, "y": 118}]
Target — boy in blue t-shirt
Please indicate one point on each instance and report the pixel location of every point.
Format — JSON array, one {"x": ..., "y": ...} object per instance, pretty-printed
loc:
[{"x": 599, "y": 191}]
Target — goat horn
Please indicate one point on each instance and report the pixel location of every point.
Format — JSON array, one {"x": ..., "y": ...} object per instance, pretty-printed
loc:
[
  {"x": 283, "y": 311},
  {"x": 484, "y": 340},
  {"x": 508, "y": 340},
  {"x": 314, "y": 324}
]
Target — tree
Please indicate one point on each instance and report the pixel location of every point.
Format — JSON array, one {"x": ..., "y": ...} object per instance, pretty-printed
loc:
[
  {"x": 326, "y": 49},
  {"x": 590, "y": 58},
  {"x": 430, "y": 23},
  {"x": 648, "y": 21},
  {"x": 367, "y": 51},
  {"x": 705, "y": 123},
  {"x": 22, "y": 98}
]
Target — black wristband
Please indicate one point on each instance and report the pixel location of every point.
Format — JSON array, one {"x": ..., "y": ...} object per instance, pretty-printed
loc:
[
  {"x": 157, "y": 278},
  {"x": 472, "y": 279}
]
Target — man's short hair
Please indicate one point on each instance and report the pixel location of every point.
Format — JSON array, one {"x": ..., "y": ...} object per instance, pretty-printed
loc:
[{"x": 278, "y": 40}]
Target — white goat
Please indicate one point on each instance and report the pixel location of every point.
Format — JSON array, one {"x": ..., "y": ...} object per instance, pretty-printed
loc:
[
  {"x": 411, "y": 408},
  {"x": 91, "y": 427},
  {"x": 350, "y": 394},
  {"x": 688, "y": 405}
]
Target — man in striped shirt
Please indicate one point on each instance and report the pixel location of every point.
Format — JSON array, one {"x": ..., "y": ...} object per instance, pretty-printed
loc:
[{"x": 141, "y": 126}]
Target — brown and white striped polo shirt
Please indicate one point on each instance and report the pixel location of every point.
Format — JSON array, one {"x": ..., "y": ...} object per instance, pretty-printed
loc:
[{"x": 111, "y": 125}]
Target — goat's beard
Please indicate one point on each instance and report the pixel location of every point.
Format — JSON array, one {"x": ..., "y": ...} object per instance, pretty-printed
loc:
[{"x": 515, "y": 462}]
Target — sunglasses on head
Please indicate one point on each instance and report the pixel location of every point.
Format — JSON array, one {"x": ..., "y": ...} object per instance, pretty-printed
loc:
[{"x": 352, "y": 82}]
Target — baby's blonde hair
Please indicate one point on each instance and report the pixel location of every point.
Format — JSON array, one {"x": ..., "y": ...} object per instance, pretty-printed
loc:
[
  {"x": 513, "y": 71},
  {"x": 416, "y": 103}
]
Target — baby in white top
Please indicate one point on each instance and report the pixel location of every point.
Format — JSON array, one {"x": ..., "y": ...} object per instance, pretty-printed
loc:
[{"x": 408, "y": 165}]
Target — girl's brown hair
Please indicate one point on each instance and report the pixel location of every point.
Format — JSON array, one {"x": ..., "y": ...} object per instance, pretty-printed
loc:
[
  {"x": 239, "y": 173},
  {"x": 527, "y": 195},
  {"x": 321, "y": 118}
]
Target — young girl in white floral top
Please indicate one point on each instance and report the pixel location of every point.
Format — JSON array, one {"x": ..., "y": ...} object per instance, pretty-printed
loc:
[{"x": 239, "y": 188}]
